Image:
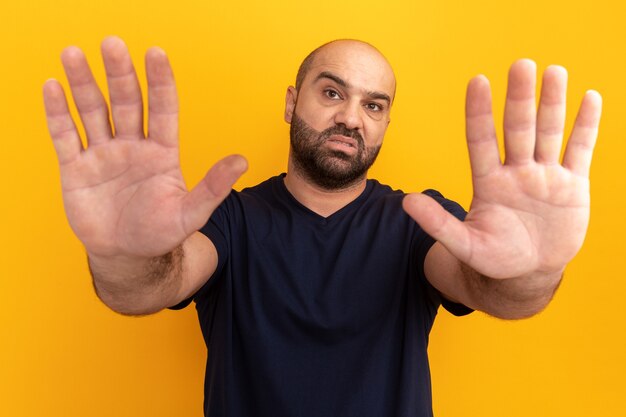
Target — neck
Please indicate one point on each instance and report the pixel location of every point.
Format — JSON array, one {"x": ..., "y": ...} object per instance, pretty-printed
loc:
[{"x": 319, "y": 200}]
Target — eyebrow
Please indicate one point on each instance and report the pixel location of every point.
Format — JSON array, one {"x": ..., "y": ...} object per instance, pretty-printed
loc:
[{"x": 376, "y": 95}]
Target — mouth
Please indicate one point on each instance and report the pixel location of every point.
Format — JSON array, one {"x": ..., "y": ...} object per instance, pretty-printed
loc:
[{"x": 344, "y": 141}]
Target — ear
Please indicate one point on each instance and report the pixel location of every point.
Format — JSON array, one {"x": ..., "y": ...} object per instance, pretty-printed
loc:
[{"x": 290, "y": 103}]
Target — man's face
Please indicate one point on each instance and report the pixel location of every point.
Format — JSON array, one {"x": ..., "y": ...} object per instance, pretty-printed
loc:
[
  {"x": 340, "y": 114},
  {"x": 329, "y": 168}
]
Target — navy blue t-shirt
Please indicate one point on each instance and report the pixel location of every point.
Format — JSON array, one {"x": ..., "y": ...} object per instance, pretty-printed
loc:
[{"x": 308, "y": 316}]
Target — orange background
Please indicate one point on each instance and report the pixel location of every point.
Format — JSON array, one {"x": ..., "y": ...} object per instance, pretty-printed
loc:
[{"x": 63, "y": 353}]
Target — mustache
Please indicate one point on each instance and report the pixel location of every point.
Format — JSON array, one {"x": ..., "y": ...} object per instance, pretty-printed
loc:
[{"x": 343, "y": 131}]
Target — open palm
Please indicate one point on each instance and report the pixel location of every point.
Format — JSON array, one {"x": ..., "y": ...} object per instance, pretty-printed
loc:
[
  {"x": 531, "y": 212},
  {"x": 125, "y": 194}
]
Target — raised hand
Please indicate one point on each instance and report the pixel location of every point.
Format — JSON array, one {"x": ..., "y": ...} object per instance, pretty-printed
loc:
[
  {"x": 530, "y": 213},
  {"x": 124, "y": 194}
]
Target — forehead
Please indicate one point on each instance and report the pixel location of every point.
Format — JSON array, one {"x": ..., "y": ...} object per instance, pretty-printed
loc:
[{"x": 359, "y": 64}]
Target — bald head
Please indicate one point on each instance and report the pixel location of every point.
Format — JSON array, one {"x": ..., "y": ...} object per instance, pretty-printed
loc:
[
  {"x": 339, "y": 112},
  {"x": 347, "y": 50}
]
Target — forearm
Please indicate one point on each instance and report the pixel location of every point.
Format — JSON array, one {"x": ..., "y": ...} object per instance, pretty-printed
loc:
[
  {"x": 513, "y": 298},
  {"x": 137, "y": 286}
]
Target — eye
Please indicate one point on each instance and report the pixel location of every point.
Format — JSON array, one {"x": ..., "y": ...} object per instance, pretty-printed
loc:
[
  {"x": 374, "y": 107},
  {"x": 332, "y": 94}
]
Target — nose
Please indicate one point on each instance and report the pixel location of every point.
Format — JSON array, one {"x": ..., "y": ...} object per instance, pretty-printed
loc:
[{"x": 349, "y": 115}]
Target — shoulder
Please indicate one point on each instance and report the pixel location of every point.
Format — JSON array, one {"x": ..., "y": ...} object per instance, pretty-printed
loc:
[
  {"x": 265, "y": 187},
  {"x": 257, "y": 194},
  {"x": 451, "y": 206},
  {"x": 383, "y": 193}
]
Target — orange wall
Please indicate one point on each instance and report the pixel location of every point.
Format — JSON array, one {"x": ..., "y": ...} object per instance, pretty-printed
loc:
[{"x": 62, "y": 353}]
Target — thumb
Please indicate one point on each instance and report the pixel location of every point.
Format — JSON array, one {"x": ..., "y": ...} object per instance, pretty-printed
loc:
[
  {"x": 204, "y": 198},
  {"x": 439, "y": 224}
]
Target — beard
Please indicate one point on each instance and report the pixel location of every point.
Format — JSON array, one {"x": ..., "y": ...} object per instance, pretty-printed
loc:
[{"x": 327, "y": 168}]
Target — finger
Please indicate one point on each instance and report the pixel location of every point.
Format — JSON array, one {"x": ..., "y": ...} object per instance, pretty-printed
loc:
[
  {"x": 126, "y": 101},
  {"x": 87, "y": 96},
  {"x": 439, "y": 224},
  {"x": 60, "y": 124},
  {"x": 551, "y": 115},
  {"x": 162, "y": 99},
  {"x": 204, "y": 198},
  {"x": 580, "y": 146},
  {"x": 520, "y": 113},
  {"x": 482, "y": 143}
]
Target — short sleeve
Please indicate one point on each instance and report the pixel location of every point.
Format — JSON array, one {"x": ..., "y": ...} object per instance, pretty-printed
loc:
[
  {"x": 457, "y": 211},
  {"x": 216, "y": 229}
]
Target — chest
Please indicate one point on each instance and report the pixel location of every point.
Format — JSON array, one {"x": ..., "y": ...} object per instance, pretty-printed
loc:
[{"x": 337, "y": 274}]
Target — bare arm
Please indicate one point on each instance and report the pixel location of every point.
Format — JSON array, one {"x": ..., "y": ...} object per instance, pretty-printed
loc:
[
  {"x": 137, "y": 286},
  {"x": 514, "y": 298},
  {"x": 124, "y": 194},
  {"x": 529, "y": 215}
]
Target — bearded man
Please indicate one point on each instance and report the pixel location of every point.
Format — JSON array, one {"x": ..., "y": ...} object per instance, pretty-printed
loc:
[{"x": 316, "y": 289}]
